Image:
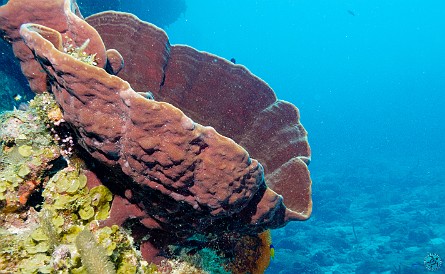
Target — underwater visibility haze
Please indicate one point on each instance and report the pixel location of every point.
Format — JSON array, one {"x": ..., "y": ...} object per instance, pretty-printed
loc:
[{"x": 368, "y": 79}]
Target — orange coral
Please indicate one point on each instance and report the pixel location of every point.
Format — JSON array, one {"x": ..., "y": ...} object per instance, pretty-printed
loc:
[
  {"x": 252, "y": 254},
  {"x": 26, "y": 190},
  {"x": 263, "y": 261},
  {"x": 55, "y": 115}
]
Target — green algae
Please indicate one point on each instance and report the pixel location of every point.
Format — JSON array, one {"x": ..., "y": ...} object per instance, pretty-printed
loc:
[
  {"x": 69, "y": 195},
  {"x": 23, "y": 171},
  {"x": 39, "y": 235},
  {"x": 39, "y": 263},
  {"x": 25, "y": 150},
  {"x": 94, "y": 257},
  {"x": 50, "y": 227},
  {"x": 86, "y": 212},
  {"x": 45, "y": 242},
  {"x": 79, "y": 53},
  {"x": 60, "y": 226},
  {"x": 44, "y": 106},
  {"x": 70, "y": 207}
]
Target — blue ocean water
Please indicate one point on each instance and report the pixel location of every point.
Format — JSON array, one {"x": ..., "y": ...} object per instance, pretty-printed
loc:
[
  {"x": 369, "y": 80},
  {"x": 368, "y": 84}
]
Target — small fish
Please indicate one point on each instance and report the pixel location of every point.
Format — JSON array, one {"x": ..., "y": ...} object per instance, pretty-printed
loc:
[
  {"x": 272, "y": 252},
  {"x": 17, "y": 97},
  {"x": 233, "y": 60},
  {"x": 23, "y": 106},
  {"x": 351, "y": 12},
  {"x": 147, "y": 94}
]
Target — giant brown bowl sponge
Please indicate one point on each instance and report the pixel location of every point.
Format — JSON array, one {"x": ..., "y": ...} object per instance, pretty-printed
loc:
[
  {"x": 213, "y": 91},
  {"x": 200, "y": 178}
]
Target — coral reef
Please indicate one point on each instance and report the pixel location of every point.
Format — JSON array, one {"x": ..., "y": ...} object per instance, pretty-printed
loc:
[
  {"x": 33, "y": 166},
  {"x": 397, "y": 222},
  {"x": 94, "y": 256},
  {"x": 129, "y": 168},
  {"x": 27, "y": 151},
  {"x": 59, "y": 230},
  {"x": 173, "y": 172},
  {"x": 231, "y": 253}
]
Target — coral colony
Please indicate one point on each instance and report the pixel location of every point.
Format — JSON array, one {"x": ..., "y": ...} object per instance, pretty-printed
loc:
[{"x": 97, "y": 178}]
